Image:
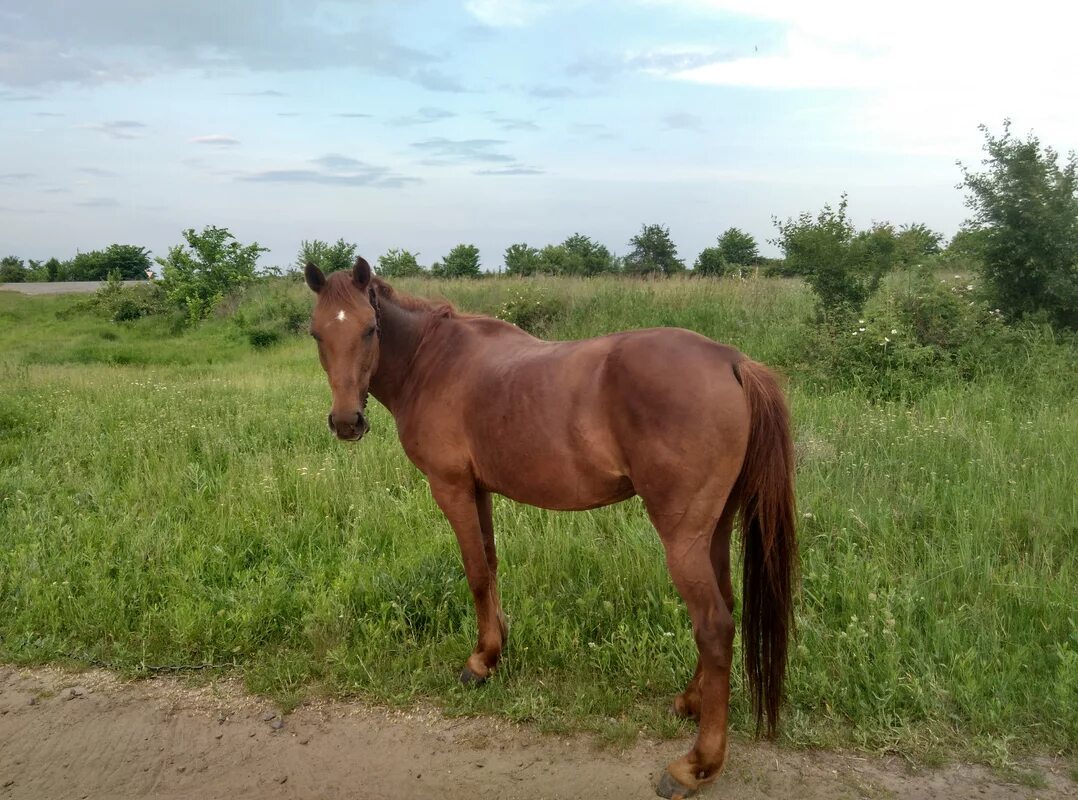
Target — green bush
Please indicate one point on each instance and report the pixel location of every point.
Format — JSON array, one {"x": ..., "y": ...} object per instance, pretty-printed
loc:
[
  {"x": 270, "y": 310},
  {"x": 532, "y": 310},
  {"x": 197, "y": 277},
  {"x": 910, "y": 338}
]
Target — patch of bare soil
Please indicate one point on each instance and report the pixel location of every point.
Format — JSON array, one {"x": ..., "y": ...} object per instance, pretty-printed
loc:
[{"x": 90, "y": 735}]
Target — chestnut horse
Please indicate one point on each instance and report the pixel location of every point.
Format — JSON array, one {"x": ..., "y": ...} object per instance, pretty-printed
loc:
[{"x": 695, "y": 428}]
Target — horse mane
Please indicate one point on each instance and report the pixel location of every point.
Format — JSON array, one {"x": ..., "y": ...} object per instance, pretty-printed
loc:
[{"x": 409, "y": 302}]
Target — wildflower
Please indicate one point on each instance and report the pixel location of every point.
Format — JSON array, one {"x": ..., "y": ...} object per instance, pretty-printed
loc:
[
  {"x": 893, "y": 331},
  {"x": 886, "y": 340},
  {"x": 861, "y": 322},
  {"x": 861, "y": 329},
  {"x": 855, "y": 333}
]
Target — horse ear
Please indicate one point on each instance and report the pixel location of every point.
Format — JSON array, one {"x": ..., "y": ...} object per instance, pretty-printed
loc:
[
  {"x": 315, "y": 279},
  {"x": 361, "y": 272}
]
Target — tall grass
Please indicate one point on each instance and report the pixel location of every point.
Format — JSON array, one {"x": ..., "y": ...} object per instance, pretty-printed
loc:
[{"x": 174, "y": 499}]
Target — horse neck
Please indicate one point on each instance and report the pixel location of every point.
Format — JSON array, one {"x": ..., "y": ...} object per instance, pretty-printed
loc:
[{"x": 400, "y": 335}]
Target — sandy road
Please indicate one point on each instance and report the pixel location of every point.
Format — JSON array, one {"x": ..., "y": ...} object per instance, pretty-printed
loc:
[{"x": 88, "y": 735}]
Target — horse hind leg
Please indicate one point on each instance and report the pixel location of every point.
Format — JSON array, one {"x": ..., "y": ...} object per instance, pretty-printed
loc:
[
  {"x": 687, "y": 541},
  {"x": 687, "y": 704}
]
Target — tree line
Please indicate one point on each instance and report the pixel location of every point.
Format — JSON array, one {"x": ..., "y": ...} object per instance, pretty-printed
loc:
[
  {"x": 129, "y": 261},
  {"x": 1022, "y": 239}
]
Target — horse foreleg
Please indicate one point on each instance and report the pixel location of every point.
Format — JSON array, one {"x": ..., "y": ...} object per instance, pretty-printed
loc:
[
  {"x": 461, "y": 507},
  {"x": 483, "y": 506}
]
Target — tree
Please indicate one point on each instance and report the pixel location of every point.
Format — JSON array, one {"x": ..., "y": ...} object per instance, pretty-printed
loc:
[
  {"x": 842, "y": 267},
  {"x": 738, "y": 247},
  {"x": 399, "y": 264},
  {"x": 328, "y": 257},
  {"x": 711, "y": 262},
  {"x": 12, "y": 270},
  {"x": 521, "y": 260},
  {"x": 213, "y": 263},
  {"x": 54, "y": 269},
  {"x": 462, "y": 262},
  {"x": 916, "y": 242},
  {"x": 129, "y": 260},
  {"x": 585, "y": 257},
  {"x": 1027, "y": 206},
  {"x": 653, "y": 252}
]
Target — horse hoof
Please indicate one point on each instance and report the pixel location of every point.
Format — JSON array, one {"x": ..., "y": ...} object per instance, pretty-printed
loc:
[
  {"x": 469, "y": 678},
  {"x": 672, "y": 789}
]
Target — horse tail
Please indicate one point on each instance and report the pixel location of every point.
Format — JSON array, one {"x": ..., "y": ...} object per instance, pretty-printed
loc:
[{"x": 764, "y": 494}]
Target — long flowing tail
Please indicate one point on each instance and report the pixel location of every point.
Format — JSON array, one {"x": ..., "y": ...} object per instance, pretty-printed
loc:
[{"x": 765, "y": 496}]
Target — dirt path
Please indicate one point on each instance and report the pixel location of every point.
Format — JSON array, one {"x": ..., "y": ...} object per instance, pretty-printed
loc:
[{"x": 89, "y": 735}]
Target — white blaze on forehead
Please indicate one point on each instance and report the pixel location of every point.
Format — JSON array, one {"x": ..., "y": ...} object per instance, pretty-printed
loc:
[{"x": 340, "y": 315}]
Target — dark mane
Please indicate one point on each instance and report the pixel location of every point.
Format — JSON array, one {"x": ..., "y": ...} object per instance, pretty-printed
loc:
[{"x": 410, "y": 302}]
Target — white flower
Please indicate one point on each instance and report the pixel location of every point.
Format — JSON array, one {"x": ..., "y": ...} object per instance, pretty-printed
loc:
[
  {"x": 894, "y": 331},
  {"x": 860, "y": 322},
  {"x": 885, "y": 340},
  {"x": 861, "y": 329},
  {"x": 855, "y": 333}
]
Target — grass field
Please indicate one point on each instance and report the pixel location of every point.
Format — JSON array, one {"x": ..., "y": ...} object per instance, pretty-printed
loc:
[{"x": 177, "y": 499}]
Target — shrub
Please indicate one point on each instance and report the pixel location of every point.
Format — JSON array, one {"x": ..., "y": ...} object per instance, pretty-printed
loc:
[
  {"x": 532, "y": 310},
  {"x": 270, "y": 310},
  {"x": 910, "y": 338},
  {"x": 126, "y": 303},
  {"x": 213, "y": 264},
  {"x": 844, "y": 267}
]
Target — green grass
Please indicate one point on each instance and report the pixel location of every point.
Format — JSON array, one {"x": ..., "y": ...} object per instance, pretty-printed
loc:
[{"x": 170, "y": 499}]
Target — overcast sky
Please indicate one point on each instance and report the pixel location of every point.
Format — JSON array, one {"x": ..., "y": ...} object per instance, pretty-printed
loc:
[{"x": 423, "y": 124}]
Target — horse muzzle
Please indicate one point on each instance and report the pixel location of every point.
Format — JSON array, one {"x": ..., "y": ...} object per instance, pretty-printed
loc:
[{"x": 348, "y": 427}]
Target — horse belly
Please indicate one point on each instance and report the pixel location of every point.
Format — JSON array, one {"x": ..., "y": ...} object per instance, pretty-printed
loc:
[{"x": 560, "y": 481}]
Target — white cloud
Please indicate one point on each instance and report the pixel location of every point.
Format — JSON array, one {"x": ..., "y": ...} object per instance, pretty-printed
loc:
[
  {"x": 926, "y": 72},
  {"x": 216, "y": 139},
  {"x": 505, "y": 13}
]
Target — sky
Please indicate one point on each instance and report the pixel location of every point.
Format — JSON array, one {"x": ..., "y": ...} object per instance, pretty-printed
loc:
[{"x": 420, "y": 125}]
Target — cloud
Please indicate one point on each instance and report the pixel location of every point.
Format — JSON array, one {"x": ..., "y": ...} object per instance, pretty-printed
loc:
[
  {"x": 263, "y": 93},
  {"x": 515, "y": 124},
  {"x": 96, "y": 172},
  {"x": 506, "y": 13},
  {"x": 48, "y": 114},
  {"x": 335, "y": 170},
  {"x": 288, "y": 113},
  {"x": 51, "y": 42},
  {"x": 215, "y": 140},
  {"x": 515, "y": 170},
  {"x": 98, "y": 202},
  {"x": 9, "y": 177},
  {"x": 449, "y": 151},
  {"x": 117, "y": 129},
  {"x": 423, "y": 116},
  {"x": 436, "y": 81},
  {"x": 547, "y": 92},
  {"x": 13, "y": 97},
  {"x": 354, "y": 115},
  {"x": 952, "y": 64},
  {"x": 682, "y": 121}
]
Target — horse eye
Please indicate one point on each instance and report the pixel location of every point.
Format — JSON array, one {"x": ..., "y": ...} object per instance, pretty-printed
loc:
[{"x": 370, "y": 332}]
